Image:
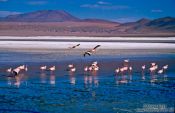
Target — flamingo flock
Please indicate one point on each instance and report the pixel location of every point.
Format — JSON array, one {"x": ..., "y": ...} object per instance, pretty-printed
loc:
[
  {"x": 126, "y": 68},
  {"x": 121, "y": 70},
  {"x": 123, "y": 73},
  {"x": 93, "y": 67},
  {"x": 152, "y": 69},
  {"x": 71, "y": 68},
  {"x": 42, "y": 68},
  {"x": 16, "y": 70}
]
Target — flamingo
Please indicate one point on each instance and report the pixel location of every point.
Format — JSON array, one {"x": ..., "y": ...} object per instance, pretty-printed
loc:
[
  {"x": 117, "y": 70},
  {"x": 90, "y": 68},
  {"x": 16, "y": 71},
  {"x": 151, "y": 69},
  {"x": 9, "y": 70},
  {"x": 156, "y": 67},
  {"x": 26, "y": 68},
  {"x": 160, "y": 71},
  {"x": 86, "y": 68},
  {"x": 73, "y": 69},
  {"x": 126, "y": 60},
  {"x": 143, "y": 67},
  {"x": 70, "y": 66},
  {"x": 130, "y": 68},
  {"x": 52, "y": 68},
  {"x": 95, "y": 63},
  {"x": 94, "y": 49},
  {"x": 165, "y": 67},
  {"x": 96, "y": 68},
  {"x": 89, "y": 53},
  {"x": 22, "y": 67},
  {"x": 153, "y": 64},
  {"x": 74, "y": 46},
  {"x": 125, "y": 68},
  {"x": 43, "y": 67}
]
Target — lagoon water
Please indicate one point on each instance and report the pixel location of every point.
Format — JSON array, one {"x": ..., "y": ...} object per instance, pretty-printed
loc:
[{"x": 91, "y": 92}]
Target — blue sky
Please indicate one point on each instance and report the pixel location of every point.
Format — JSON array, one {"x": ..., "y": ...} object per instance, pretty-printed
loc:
[{"x": 116, "y": 10}]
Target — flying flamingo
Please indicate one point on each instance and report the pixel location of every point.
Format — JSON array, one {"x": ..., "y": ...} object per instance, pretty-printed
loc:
[
  {"x": 94, "y": 49},
  {"x": 89, "y": 53},
  {"x": 74, "y": 46}
]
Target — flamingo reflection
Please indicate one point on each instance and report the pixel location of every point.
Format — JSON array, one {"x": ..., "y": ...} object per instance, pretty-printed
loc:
[
  {"x": 143, "y": 75},
  {"x": 43, "y": 77},
  {"x": 72, "y": 78},
  {"x": 9, "y": 81},
  {"x": 91, "y": 79},
  {"x": 143, "y": 71},
  {"x": 52, "y": 79},
  {"x": 95, "y": 78},
  {"x": 18, "y": 81},
  {"x": 121, "y": 79}
]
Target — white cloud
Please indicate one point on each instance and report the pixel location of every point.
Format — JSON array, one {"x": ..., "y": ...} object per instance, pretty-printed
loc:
[
  {"x": 103, "y": 3},
  {"x": 126, "y": 19},
  {"x": 37, "y": 2},
  {"x": 104, "y": 6},
  {"x": 156, "y": 11},
  {"x": 6, "y": 13}
]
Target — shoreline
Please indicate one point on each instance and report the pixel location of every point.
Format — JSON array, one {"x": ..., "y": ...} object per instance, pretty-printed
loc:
[
  {"x": 109, "y": 46},
  {"x": 83, "y": 45}
]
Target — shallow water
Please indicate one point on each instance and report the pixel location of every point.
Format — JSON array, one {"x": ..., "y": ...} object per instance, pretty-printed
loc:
[{"x": 99, "y": 92}]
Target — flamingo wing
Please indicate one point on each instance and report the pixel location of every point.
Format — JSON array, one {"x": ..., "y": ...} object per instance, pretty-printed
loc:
[
  {"x": 78, "y": 45},
  {"x": 97, "y": 46}
]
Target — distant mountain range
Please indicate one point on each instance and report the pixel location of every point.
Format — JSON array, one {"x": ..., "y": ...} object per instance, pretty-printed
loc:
[
  {"x": 48, "y": 16},
  {"x": 41, "y": 16},
  {"x": 65, "y": 24}
]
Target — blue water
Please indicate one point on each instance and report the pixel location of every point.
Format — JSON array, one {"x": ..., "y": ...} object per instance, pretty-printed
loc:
[{"x": 80, "y": 92}]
